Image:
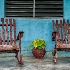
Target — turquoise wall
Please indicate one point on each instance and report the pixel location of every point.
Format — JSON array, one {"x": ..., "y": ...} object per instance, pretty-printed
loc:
[
  {"x": 37, "y": 28},
  {"x": 67, "y": 9},
  {"x": 2, "y": 8}
]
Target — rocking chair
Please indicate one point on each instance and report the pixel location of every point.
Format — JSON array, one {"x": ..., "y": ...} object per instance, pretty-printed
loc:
[
  {"x": 61, "y": 36},
  {"x": 7, "y": 40}
]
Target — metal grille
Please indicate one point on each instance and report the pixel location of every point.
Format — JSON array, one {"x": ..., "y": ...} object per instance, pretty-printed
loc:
[{"x": 34, "y": 8}]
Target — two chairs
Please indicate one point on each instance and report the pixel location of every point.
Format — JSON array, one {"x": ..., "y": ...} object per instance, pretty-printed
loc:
[{"x": 61, "y": 36}]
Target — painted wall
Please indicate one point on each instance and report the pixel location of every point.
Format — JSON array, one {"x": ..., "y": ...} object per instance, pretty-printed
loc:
[
  {"x": 37, "y": 28},
  {"x": 2, "y": 8},
  {"x": 67, "y": 9}
]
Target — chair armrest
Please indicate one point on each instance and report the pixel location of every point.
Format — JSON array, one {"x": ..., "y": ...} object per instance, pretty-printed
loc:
[
  {"x": 20, "y": 35},
  {"x": 54, "y": 35}
]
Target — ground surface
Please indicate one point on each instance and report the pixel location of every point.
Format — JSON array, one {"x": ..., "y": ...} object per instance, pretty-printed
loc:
[{"x": 30, "y": 63}]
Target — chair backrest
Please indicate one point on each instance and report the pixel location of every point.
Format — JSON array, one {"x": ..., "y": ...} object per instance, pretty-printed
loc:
[
  {"x": 7, "y": 31},
  {"x": 62, "y": 31}
]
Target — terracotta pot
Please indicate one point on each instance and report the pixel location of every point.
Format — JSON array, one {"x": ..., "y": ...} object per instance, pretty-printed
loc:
[{"x": 38, "y": 53}]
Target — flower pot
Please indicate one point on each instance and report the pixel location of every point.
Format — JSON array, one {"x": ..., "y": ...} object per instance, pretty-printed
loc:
[{"x": 38, "y": 53}]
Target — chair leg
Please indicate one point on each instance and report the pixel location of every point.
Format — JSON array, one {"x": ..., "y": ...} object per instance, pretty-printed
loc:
[
  {"x": 19, "y": 58},
  {"x": 54, "y": 55},
  {"x": 16, "y": 55}
]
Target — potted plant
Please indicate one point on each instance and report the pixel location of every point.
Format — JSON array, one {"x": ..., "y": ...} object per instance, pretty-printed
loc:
[{"x": 38, "y": 48}]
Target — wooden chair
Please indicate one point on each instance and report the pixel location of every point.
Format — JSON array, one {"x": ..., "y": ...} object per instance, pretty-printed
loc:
[
  {"x": 61, "y": 36},
  {"x": 8, "y": 38}
]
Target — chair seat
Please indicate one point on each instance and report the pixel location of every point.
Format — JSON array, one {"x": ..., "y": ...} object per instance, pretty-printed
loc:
[
  {"x": 9, "y": 47},
  {"x": 58, "y": 45}
]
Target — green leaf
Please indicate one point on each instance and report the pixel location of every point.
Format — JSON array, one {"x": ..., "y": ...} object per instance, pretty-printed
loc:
[{"x": 38, "y": 43}]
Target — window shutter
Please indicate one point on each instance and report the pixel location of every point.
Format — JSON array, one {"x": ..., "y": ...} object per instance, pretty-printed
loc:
[
  {"x": 19, "y": 8},
  {"x": 34, "y": 8},
  {"x": 49, "y": 8}
]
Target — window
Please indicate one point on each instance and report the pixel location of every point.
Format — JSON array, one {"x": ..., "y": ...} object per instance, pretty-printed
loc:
[{"x": 34, "y": 8}]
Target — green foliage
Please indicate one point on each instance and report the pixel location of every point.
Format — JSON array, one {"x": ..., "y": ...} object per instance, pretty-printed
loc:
[{"x": 38, "y": 44}]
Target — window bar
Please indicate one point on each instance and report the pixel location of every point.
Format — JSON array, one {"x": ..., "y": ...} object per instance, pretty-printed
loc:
[{"x": 33, "y": 8}]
